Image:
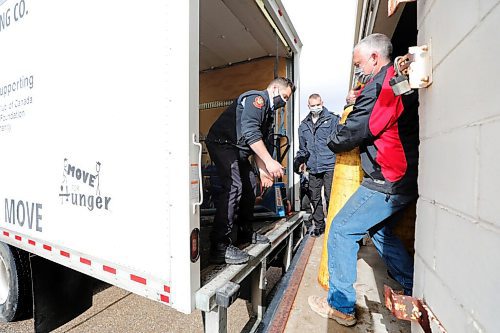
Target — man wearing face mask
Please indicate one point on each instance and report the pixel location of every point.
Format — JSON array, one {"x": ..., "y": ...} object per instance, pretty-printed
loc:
[
  {"x": 385, "y": 128},
  {"x": 239, "y": 132},
  {"x": 315, "y": 155}
]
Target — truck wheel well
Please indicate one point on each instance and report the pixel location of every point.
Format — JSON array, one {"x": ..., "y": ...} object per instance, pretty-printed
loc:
[{"x": 15, "y": 284}]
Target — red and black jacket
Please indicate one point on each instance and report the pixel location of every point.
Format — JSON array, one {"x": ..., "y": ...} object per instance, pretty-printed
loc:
[{"x": 385, "y": 128}]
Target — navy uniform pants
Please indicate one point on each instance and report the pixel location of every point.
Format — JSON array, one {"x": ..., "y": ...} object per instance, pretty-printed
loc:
[
  {"x": 316, "y": 183},
  {"x": 236, "y": 200}
]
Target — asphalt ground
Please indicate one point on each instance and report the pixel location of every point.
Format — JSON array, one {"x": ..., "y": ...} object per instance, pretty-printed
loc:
[{"x": 117, "y": 310}]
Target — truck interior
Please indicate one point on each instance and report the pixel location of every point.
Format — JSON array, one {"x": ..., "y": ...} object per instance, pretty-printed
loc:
[
  {"x": 404, "y": 36},
  {"x": 240, "y": 49}
]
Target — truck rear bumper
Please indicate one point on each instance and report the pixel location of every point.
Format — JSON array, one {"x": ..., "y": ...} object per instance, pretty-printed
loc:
[{"x": 281, "y": 232}]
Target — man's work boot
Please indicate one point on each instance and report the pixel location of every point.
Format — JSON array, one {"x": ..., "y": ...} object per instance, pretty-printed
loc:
[
  {"x": 228, "y": 254},
  {"x": 405, "y": 291},
  {"x": 321, "y": 307},
  {"x": 247, "y": 235},
  {"x": 317, "y": 230}
]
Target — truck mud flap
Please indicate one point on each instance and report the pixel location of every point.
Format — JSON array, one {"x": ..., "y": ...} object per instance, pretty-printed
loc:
[{"x": 60, "y": 294}]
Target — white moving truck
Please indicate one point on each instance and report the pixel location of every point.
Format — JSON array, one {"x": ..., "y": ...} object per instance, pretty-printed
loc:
[{"x": 99, "y": 137}]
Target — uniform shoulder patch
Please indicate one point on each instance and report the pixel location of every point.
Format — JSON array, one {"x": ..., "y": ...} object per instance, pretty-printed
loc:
[{"x": 258, "y": 102}]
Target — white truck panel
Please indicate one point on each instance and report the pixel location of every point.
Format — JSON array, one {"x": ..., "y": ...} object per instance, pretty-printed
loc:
[
  {"x": 106, "y": 84},
  {"x": 98, "y": 128}
]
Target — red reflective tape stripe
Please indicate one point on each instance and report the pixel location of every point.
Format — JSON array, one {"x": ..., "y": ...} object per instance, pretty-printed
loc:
[
  {"x": 47, "y": 247},
  {"x": 167, "y": 289},
  {"x": 64, "y": 254},
  {"x": 5, "y": 233},
  {"x": 137, "y": 279},
  {"x": 164, "y": 298},
  {"x": 18, "y": 238},
  {"x": 108, "y": 269},
  {"x": 31, "y": 242},
  {"x": 85, "y": 261}
]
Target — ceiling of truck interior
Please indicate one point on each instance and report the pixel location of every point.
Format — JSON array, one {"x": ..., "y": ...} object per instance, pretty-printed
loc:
[{"x": 233, "y": 31}]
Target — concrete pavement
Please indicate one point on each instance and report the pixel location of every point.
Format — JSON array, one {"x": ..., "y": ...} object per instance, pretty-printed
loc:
[{"x": 371, "y": 313}]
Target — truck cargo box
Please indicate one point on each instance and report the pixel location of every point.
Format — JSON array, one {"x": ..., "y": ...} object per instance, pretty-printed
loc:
[{"x": 99, "y": 129}]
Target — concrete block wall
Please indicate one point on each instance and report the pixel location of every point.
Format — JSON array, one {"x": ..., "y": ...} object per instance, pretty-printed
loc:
[{"x": 457, "y": 258}]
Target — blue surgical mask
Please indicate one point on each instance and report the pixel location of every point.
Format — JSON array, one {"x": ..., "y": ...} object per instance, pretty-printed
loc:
[
  {"x": 316, "y": 110},
  {"x": 361, "y": 76}
]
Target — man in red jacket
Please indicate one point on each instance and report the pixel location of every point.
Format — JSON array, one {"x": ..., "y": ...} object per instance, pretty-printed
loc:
[{"x": 385, "y": 128}]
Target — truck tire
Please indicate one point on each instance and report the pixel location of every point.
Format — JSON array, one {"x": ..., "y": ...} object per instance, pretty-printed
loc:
[{"x": 15, "y": 284}]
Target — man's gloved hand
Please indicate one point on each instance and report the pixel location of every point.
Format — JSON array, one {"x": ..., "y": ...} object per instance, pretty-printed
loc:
[
  {"x": 351, "y": 97},
  {"x": 353, "y": 94},
  {"x": 297, "y": 164}
]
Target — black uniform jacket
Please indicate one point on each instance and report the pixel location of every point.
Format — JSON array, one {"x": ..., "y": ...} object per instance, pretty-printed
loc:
[{"x": 249, "y": 119}]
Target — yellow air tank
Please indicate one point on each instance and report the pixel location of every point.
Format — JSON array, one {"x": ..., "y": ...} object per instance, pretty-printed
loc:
[{"x": 347, "y": 177}]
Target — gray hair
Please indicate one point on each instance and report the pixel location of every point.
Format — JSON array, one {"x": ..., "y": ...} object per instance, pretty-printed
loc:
[{"x": 379, "y": 43}]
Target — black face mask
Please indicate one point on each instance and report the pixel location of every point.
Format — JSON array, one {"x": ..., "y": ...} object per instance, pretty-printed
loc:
[{"x": 278, "y": 102}]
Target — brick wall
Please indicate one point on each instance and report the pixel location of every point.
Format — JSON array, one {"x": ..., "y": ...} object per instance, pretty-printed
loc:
[{"x": 457, "y": 259}]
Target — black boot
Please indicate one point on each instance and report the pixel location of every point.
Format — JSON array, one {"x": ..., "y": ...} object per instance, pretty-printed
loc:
[
  {"x": 247, "y": 235},
  {"x": 317, "y": 230},
  {"x": 223, "y": 253}
]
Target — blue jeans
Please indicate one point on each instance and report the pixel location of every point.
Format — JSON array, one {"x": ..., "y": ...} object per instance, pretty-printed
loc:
[{"x": 366, "y": 211}]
